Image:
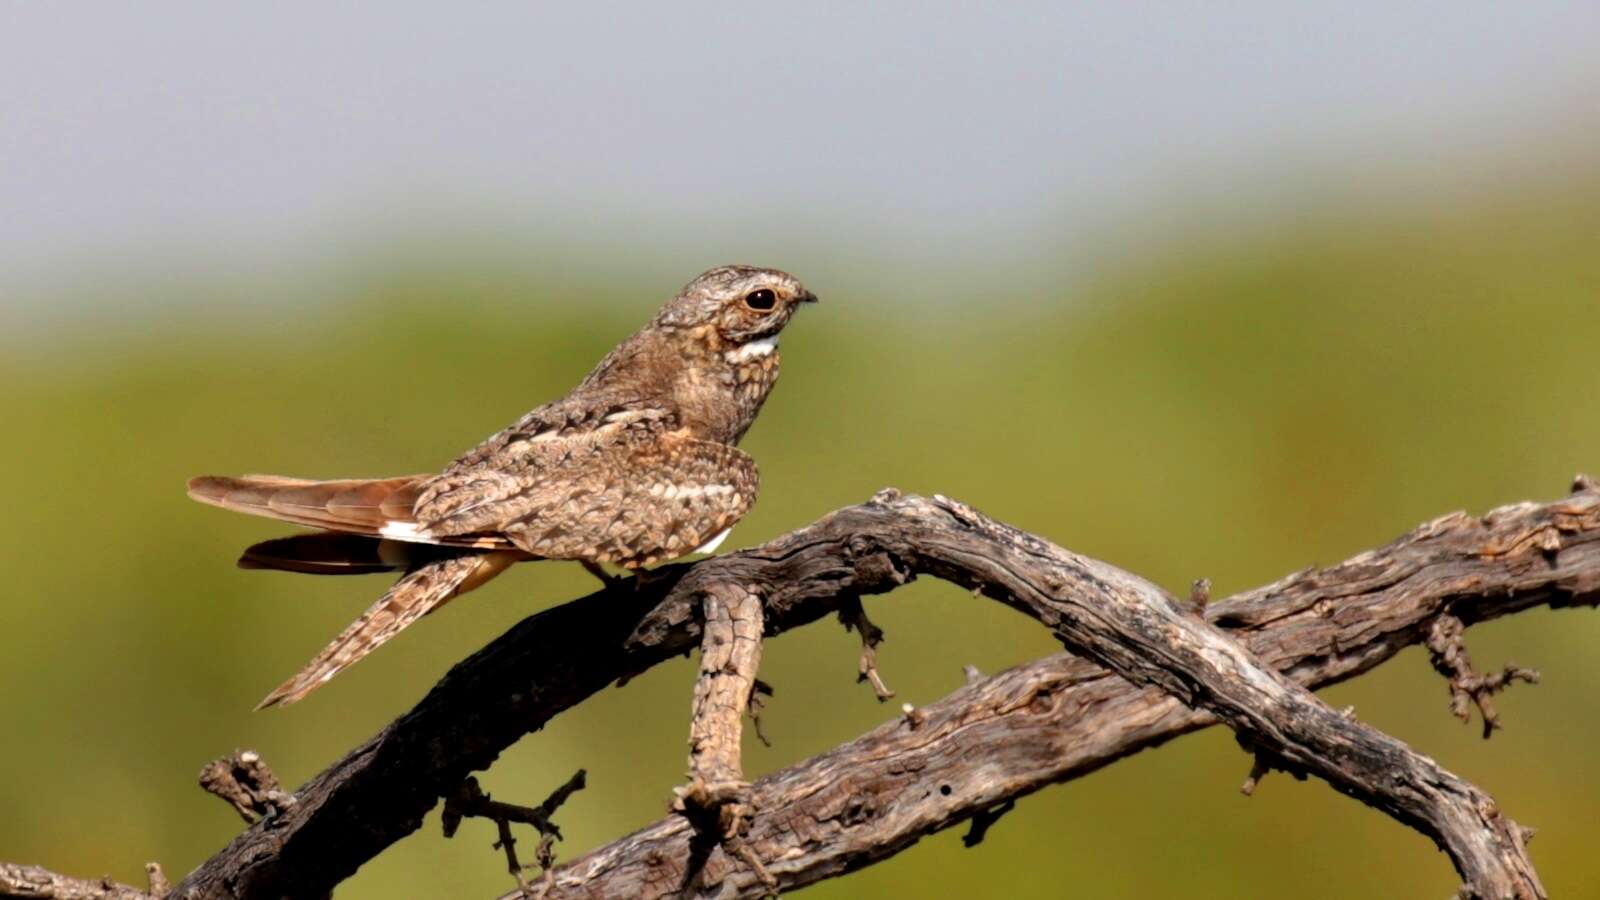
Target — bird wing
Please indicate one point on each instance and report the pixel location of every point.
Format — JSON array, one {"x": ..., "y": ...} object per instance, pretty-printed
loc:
[
  {"x": 415, "y": 508},
  {"x": 628, "y": 492}
]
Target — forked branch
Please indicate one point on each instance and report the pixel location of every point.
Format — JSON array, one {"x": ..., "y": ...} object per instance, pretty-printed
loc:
[
  {"x": 1046, "y": 722},
  {"x": 1062, "y": 717}
]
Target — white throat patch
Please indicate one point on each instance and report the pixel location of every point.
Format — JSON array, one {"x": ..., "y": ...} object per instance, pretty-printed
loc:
[{"x": 752, "y": 350}]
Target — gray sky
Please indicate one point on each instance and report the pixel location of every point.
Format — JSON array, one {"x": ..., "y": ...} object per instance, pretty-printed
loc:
[{"x": 227, "y": 128}]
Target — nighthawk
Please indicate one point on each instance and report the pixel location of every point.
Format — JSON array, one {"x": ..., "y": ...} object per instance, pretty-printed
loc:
[{"x": 636, "y": 465}]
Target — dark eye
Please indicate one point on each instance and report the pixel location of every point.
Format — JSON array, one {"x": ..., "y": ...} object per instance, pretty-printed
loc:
[{"x": 761, "y": 300}]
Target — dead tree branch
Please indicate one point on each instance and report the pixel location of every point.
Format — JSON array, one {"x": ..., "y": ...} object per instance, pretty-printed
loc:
[
  {"x": 730, "y": 655},
  {"x": 1062, "y": 717},
  {"x": 1144, "y": 635},
  {"x": 1317, "y": 627},
  {"x": 41, "y": 884}
]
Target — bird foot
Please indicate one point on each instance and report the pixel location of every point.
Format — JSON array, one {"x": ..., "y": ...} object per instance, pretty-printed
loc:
[
  {"x": 610, "y": 581},
  {"x": 643, "y": 578}
]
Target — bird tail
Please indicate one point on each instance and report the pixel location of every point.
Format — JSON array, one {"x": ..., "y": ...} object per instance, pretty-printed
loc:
[
  {"x": 340, "y": 553},
  {"x": 415, "y": 595},
  {"x": 374, "y": 507},
  {"x": 359, "y": 505}
]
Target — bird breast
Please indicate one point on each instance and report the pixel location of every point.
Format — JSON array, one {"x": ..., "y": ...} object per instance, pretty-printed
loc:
[{"x": 719, "y": 398}]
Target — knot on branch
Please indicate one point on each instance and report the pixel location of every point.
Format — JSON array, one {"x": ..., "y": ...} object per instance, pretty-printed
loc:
[
  {"x": 246, "y": 783},
  {"x": 1582, "y": 483},
  {"x": 470, "y": 801},
  {"x": 157, "y": 876},
  {"x": 1448, "y": 653},
  {"x": 876, "y": 569}
]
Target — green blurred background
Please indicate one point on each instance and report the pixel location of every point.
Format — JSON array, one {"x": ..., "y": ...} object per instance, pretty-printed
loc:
[{"x": 1233, "y": 376}]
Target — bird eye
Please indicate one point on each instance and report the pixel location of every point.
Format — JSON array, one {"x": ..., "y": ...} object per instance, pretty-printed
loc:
[{"x": 761, "y": 300}]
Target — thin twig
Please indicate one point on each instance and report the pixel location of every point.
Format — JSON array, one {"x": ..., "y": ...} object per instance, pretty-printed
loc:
[
  {"x": 470, "y": 801},
  {"x": 1448, "y": 653},
  {"x": 854, "y": 616},
  {"x": 760, "y": 692}
]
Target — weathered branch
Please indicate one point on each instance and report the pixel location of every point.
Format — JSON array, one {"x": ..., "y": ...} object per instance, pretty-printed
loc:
[
  {"x": 1062, "y": 717},
  {"x": 1317, "y": 627},
  {"x": 35, "y": 883},
  {"x": 730, "y": 655},
  {"x": 1140, "y": 632}
]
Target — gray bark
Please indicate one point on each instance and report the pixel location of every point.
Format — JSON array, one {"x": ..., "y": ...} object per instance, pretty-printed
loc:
[{"x": 1243, "y": 662}]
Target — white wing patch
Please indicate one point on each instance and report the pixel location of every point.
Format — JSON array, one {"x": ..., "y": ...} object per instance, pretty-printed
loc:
[
  {"x": 405, "y": 531},
  {"x": 752, "y": 350}
]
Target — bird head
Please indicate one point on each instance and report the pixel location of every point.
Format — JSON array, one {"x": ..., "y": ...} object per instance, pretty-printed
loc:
[{"x": 742, "y": 303}]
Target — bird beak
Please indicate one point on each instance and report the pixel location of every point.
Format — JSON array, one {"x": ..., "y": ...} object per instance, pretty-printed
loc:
[{"x": 806, "y": 297}]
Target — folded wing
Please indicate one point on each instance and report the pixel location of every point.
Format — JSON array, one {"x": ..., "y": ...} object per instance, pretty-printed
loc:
[{"x": 637, "y": 499}]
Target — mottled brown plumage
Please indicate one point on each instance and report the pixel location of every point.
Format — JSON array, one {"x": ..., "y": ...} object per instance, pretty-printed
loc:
[{"x": 637, "y": 465}]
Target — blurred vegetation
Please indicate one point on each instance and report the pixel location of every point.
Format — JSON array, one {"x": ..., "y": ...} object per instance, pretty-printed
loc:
[{"x": 1230, "y": 406}]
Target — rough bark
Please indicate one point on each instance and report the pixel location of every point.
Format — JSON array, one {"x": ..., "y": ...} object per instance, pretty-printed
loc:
[
  {"x": 717, "y": 798},
  {"x": 1316, "y": 627},
  {"x": 1138, "y": 631},
  {"x": 730, "y": 655},
  {"x": 35, "y": 883},
  {"x": 1063, "y": 717},
  {"x": 1056, "y": 719}
]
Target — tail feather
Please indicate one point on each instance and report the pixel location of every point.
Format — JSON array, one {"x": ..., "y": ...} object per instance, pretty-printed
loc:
[
  {"x": 338, "y": 553},
  {"x": 412, "y": 597},
  {"x": 363, "y": 506}
]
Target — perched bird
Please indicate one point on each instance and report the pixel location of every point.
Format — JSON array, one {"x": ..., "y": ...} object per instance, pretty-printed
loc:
[{"x": 636, "y": 465}]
